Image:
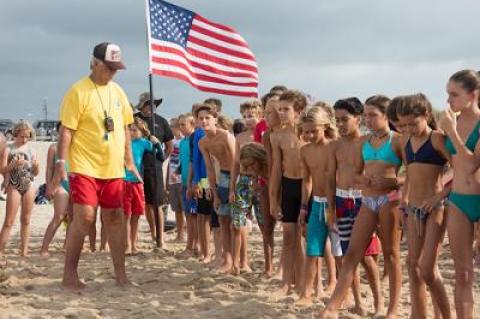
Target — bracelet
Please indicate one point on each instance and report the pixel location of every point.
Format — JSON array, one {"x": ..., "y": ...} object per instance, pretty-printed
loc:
[
  {"x": 59, "y": 160},
  {"x": 304, "y": 207}
]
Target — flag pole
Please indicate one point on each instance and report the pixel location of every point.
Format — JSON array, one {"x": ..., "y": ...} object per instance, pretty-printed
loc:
[{"x": 152, "y": 122}]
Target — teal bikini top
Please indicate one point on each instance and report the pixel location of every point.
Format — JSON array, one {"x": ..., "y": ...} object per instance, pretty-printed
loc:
[
  {"x": 383, "y": 153},
  {"x": 471, "y": 141}
]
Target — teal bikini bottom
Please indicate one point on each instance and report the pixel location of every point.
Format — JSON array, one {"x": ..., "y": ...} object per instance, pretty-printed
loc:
[{"x": 469, "y": 204}]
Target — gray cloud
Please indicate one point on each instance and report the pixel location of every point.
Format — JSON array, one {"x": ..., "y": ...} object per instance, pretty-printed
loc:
[{"x": 330, "y": 49}]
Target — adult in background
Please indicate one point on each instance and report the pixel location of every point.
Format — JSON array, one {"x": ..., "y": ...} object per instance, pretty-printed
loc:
[
  {"x": 95, "y": 113},
  {"x": 164, "y": 134}
]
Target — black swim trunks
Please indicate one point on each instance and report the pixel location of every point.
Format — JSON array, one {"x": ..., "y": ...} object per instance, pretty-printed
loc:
[{"x": 291, "y": 199}]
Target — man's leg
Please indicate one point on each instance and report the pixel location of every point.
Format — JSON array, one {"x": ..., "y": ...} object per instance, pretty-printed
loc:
[
  {"x": 84, "y": 216},
  {"x": 114, "y": 225}
]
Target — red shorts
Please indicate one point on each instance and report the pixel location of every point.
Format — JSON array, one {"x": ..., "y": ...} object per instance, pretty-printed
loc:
[
  {"x": 374, "y": 246},
  {"x": 86, "y": 190},
  {"x": 133, "y": 199}
]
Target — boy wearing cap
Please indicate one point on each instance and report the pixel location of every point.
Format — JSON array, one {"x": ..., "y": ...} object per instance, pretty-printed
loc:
[{"x": 94, "y": 115}]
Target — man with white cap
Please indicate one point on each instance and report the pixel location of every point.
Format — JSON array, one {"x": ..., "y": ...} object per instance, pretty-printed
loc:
[{"x": 95, "y": 113}]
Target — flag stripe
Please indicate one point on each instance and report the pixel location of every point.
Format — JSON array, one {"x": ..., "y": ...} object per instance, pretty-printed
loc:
[
  {"x": 194, "y": 55},
  {"x": 209, "y": 56},
  {"x": 229, "y": 35},
  {"x": 169, "y": 58},
  {"x": 216, "y": 25},
  {"x": 218, "y": 36},
  {"x": 199, "y": 49},
  {"x": 205, "y": 77},
  {"x": 167, "y": 71},
  {"x": 222, "y": 49}
]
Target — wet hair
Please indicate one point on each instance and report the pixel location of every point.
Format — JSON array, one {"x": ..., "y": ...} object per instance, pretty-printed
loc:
[
  {"x": 351, "y": 104},
  {"x": 416, "y": 105},
  {"x": 215, "y": 102},
  {"x": 297, "y": 98},
  {"x": 188, "y": 117},
  {"x": 239, "y": 126},
  {"x": 468, "y": 79},
  {"x": 379, "y": 101},
  {"x": 23, "y": 126},
  {"x": 224, "y": 122},
  {"x": 252, "y": 153},
  {"x": 141, "y": 125},
  {"x": 319, "y": 116},
  {"x": 267, "y": 97},
  {"x": 278, "y": 89},
  {"x": 57, "y": 127},
  {"x": 209, "y": 108},
  {"x": 253, "y": 105}
]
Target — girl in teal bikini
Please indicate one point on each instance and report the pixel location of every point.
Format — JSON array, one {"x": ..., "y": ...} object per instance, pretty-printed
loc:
[{"x": 463, "y": 208}]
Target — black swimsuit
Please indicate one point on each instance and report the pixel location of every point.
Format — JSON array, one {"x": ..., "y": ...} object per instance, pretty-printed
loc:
[{"x": 426, "y": 154}]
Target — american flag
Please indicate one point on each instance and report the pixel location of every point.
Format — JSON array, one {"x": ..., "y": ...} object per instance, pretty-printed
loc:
[{"x": 210, "y": 56}]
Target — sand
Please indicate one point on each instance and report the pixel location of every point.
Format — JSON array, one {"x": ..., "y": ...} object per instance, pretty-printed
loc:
[{"x": 165, "y": 286}]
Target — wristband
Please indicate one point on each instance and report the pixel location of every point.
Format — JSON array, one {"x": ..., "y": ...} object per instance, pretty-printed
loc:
[
  {"x": 304, "y": 207},
  {"x": 59, "y": 160}
]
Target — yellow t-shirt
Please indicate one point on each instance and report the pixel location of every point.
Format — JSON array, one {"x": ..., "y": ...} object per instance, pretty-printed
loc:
[{"x": 82, "y": 111}]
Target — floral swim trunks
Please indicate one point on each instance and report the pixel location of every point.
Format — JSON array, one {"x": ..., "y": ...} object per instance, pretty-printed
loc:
[{"x": 245, "y": 199}]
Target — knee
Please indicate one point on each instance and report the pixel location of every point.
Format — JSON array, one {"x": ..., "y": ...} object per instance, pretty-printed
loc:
[
  {"x": 413, "y": 269},
  {"x": 83, "y": 224},
  {"x": 391, "y": 255},
  {"x": 429, "y": 274}
]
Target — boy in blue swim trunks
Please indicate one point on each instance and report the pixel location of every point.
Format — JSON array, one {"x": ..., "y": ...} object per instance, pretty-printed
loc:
[
  {"x": 218, "y": 144},
  {"x": 319, "y": 131}
]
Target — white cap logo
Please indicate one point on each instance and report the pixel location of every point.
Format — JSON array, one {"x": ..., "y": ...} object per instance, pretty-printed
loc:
[{"x": 113, "y": 53}]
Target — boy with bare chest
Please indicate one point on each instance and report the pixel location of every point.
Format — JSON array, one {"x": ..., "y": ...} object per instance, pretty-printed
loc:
[
  {"x": 218, "y": 144},
  {"x": 286, "y": 185}
]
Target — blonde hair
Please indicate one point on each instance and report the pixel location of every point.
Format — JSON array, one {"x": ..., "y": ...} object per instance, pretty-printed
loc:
[
  {"x": 224, "y": 122},
  {"x": 23, "y": 126},
  {"x": 188, "y": 117},
  {"x": 318, "y": 116},
  {"x": 252, "y": 153}
]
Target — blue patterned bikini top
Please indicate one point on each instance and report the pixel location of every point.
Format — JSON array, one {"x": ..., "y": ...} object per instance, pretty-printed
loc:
[{"x": 383, "y": 153}]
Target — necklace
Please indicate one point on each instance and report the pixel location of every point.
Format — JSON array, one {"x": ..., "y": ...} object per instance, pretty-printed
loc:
[
  {"x": 379, "y": 137},
  {"x": 105, "y": 114}
]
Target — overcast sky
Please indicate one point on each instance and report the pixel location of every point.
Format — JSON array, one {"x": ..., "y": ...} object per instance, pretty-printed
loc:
[{"x": 329, "y": 49}]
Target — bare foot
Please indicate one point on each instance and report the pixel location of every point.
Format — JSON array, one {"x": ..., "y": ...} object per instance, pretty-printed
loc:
[
  {"x": 135, "y": 251},
  {"x": 359, "y": 310},
  {"x": 380, "y": 309},
  {"x": 226, "y": 268},
  {"x": 123, "y": 282},
  {"x": 44, "y": 254},
  {"x": 206, "y": 260},
  {"x": 278, "y": 275},
  {"x": 73, "y": 285},
  {"x": 128, "y": 252},
  {"x": 391, "y": 315},
  {"x": 268, "y": 274},
  {"x": 282, "y": 291},
  {"x": 24, "y": 254},
  {"x": 329, "y": 314},
  {"x": 304, "y": 302},
  {"x": 235, "y": 271},
  {"x": 246, "y": 269}
]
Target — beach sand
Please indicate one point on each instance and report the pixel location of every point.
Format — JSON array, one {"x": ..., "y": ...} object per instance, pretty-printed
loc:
[{"x": 164, "y": 285}]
